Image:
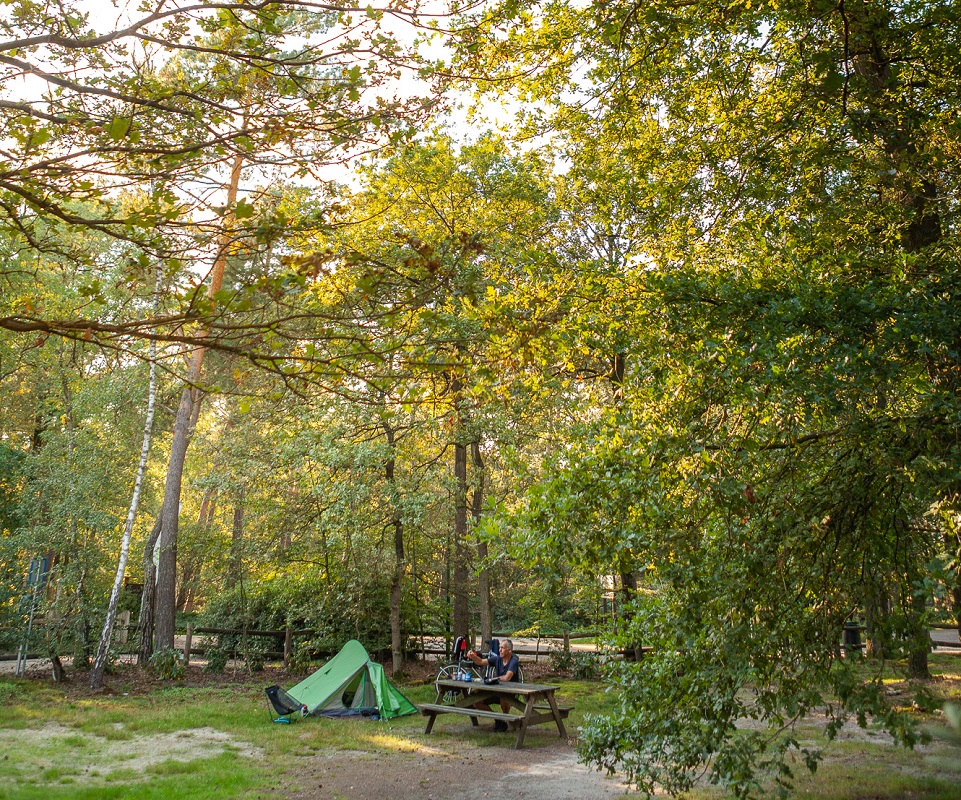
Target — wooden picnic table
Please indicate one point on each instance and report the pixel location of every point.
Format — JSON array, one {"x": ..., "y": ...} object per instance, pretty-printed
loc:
[{"x": 535, "y": 703}]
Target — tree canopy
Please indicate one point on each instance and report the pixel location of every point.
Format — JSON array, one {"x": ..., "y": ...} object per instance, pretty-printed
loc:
[{"x": 683, "y": 331}]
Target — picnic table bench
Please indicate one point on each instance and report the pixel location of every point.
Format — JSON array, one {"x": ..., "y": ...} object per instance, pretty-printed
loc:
[{"x": 534, "y": 701}]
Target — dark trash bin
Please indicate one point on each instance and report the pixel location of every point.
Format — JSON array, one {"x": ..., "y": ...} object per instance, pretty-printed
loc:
[{"x": 851, "y": 636}]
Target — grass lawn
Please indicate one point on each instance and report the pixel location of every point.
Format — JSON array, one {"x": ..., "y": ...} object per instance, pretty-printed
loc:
[{"x": 145, "y": 739}]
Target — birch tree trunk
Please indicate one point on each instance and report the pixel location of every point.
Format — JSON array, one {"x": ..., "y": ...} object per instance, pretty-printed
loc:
[{"x": 100, "y": 662}]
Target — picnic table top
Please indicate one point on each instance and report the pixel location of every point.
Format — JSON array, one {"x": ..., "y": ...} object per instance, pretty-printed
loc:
[{"x": 507, "y": 687}]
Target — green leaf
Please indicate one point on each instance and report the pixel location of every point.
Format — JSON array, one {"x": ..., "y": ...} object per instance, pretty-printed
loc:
[{"x": 117, "y": 128}]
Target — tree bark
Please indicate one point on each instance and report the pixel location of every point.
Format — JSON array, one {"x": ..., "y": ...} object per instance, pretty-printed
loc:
[
  {"x": 96, "y": 674},
  {"x": 145, "y": 621},
  {"x": 461, "y": 587},
  {"x": 876, "y": 609},
  {"x": 483, "y": 574},
  {"x": 237, "y": 540},
  {"x": 166, "y": 599},
  {"x": 400, "y": 562},
  {"x": 920, "y": 641}
]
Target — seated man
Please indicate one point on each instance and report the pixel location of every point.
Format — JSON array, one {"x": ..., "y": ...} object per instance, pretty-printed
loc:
[{"x": 505, "y": 667}]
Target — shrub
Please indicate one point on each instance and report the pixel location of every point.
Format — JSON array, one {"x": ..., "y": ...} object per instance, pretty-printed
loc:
[
  {"x": 168, "y": 664},
  {"x": 353, "y": 606},
  {"x": 580, "y": 666},
  {"x": 216, "y": 659}
]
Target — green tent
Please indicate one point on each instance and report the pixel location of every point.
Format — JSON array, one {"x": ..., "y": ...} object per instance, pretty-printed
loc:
[{"x": 350, "y": 683}]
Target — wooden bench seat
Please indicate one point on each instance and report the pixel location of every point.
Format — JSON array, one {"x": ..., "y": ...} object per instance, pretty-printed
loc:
[
  {"x": 564, "y": 711},
  {"x": 433, "y": 709}
]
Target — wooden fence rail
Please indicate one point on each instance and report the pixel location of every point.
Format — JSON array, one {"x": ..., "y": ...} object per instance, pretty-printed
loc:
[{"x": 436, "y": 645}]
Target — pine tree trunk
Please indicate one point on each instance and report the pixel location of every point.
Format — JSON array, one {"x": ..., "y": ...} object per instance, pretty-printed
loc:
[{"x": 166, "y": 599}]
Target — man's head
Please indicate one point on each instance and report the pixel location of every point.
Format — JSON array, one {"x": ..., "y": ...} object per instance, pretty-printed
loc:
[{"x": 507, "y": 647}]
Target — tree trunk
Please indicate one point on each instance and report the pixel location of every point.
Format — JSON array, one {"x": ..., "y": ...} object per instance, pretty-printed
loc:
[
  {"x": 919, "y": 637},
  {"x": 629, "y": 590},
  {"x": 96, "y": 674},
  {"x": 461, "y": 587},
  {"x": 627, "y": 575},
  {"x": 237, "y": 540},
  {"x": 400, "y": 563},
  {"x": 920, "y": 641},
  {"x": 876, "y": 610},
  {"x": 483, "y": 574},
  {"x": 145, "y": 622},
  {"x": 166, "y": 599}
]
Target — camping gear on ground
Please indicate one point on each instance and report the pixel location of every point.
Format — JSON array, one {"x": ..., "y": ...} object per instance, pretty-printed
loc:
[
  {"x": 351, "y": 684},
  {"x": 284, "y": 706}
]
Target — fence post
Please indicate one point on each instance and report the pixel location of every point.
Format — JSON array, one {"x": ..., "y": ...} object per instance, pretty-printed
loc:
[
  {"x": 288, "y": 646},
  {"x": 188, "y": 641}
]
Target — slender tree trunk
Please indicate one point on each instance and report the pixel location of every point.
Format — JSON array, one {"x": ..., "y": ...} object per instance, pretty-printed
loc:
[
  {"x": 166, "y": 599},
  {"x": 627, "y": 574},
  {"x": 96, "y": 674},
  {"x": 237, "y": 540},
  {"x": 629, "y": 590},
  {"x": 915, "y": 601},
  {"x": 920, "y": 641},
  {"x": 461, "y": 587},
  {"x": 400, "y": 563},
  {"x": 483, "y": 574}
]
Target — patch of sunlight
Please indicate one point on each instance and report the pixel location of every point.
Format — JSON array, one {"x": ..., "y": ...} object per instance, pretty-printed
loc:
[{"x": 400, "y": 744}]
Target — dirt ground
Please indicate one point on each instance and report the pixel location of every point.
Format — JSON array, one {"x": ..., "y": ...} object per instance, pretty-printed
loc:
[{"x": 541, "y": 772}]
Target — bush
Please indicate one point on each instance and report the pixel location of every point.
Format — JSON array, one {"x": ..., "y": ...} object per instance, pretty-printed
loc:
[
  {"x": 580, "y": 666},
  {"x": 354, "y": 606},
  {"x": 216, "y": 659},
  {"x": 168, "y": 664},
  {"x": 254, "y": 652},
  {"x": 301, "y": 660}
]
